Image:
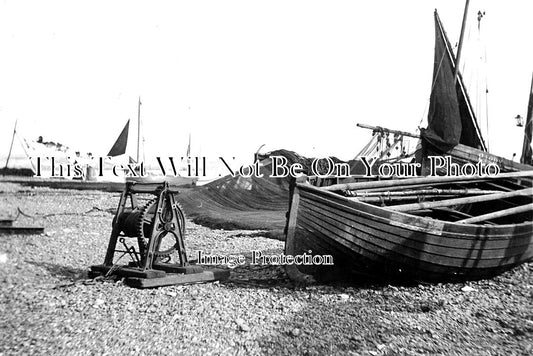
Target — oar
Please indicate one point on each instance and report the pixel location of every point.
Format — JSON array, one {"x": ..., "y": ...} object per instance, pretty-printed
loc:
[
  {"x": 497, "y": 214},
  {"x": 457, "y": 201},
  {"x": 433, "y": 191},
  {"x": 423, "y": 180}
]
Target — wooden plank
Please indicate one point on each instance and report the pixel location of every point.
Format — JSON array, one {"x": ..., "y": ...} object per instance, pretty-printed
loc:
[
  {"x": 6, "y": 222},
  {"x": 21, "y": 229},
  {"x": 174, "y": 278},
  {"x": 458, "y": 201},
  {"x": 175, "y": 268},
  {"x": 498, "y": 214},
  {"x": 290, "y": 241}
]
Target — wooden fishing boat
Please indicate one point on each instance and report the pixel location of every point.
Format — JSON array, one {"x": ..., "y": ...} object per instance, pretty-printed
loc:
[
  {"x": 450, "y": 229},
  {"x": 425, "y": 228}
]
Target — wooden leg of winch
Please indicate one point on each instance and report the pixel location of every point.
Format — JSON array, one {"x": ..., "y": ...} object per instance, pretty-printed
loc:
[
  {"x": 149, "y": 257},
  {"x": 108, "y": 261},
  {"x": 180, "y": 229}
]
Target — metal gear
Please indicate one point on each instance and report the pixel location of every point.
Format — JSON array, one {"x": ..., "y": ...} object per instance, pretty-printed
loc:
[{"x": 144, "y": 226}]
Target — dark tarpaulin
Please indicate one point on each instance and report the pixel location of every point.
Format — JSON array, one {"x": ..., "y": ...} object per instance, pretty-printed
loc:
[
  {"x": 450, "y": 120},
  {"x": 119, "y": 148}
]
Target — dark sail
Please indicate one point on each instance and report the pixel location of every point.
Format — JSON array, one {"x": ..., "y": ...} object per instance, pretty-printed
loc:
[
  {"x": 119, "y": 148},
  {"x": 528, "y": 131},
  {"x": 450, "y": 118}
]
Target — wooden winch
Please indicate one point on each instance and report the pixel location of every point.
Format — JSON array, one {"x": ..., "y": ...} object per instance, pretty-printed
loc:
[{"x": 158, "y": 256}]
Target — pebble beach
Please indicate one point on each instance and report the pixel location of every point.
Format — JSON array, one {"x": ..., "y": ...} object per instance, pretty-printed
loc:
[{"x": 49, "y": 305}]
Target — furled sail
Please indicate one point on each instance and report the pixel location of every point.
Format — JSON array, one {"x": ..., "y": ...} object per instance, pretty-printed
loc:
[
  {"x": 451, "y": 119},
  {"x": 526, "y": 157},
  {"x": 119, "y": 148}
]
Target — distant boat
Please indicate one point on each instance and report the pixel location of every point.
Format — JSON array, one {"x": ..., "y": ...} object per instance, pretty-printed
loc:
[
  {"x": 120, "y": 146},
  {"x": 22, "y": 159}
]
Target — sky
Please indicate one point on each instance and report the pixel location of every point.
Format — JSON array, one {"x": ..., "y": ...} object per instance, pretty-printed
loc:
[{"x": 239, "y": 74}]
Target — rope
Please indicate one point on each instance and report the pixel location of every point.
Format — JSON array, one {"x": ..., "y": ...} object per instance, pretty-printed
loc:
[
  {"x": 115, "y": 266},
  {"x": 93, "y": 209},
  {"x": 366, "y": 149}
]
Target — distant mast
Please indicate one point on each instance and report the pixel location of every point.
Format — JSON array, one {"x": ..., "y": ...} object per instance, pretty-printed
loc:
[
  {"x": 189, "y": 147},
  {"x": 12, "y": 140}
]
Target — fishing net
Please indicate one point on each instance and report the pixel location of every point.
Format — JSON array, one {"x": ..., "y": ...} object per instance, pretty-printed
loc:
[{"x": 252, "y": 203}]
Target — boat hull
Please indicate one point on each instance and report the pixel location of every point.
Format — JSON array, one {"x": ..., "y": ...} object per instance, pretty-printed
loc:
[{"x": 375, "y": 241}]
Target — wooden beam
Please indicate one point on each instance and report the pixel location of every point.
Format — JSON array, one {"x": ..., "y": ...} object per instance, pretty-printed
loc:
[
  {"x": 467, "y": 200},
  {"x": 392, "y": 199},
  {"x": 396, "y": 132}
]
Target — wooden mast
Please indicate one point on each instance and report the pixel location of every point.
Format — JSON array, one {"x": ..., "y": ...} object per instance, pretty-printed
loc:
[
  {"x": 459, "y": 48},
  {"x": 138, "y": 129}
]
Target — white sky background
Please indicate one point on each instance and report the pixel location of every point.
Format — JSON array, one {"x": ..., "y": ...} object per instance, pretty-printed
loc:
[{"x": 238, "y": 74}]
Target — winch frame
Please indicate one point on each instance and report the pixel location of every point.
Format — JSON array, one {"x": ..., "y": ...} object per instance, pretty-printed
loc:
[{"x": 146, "y": 269}]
